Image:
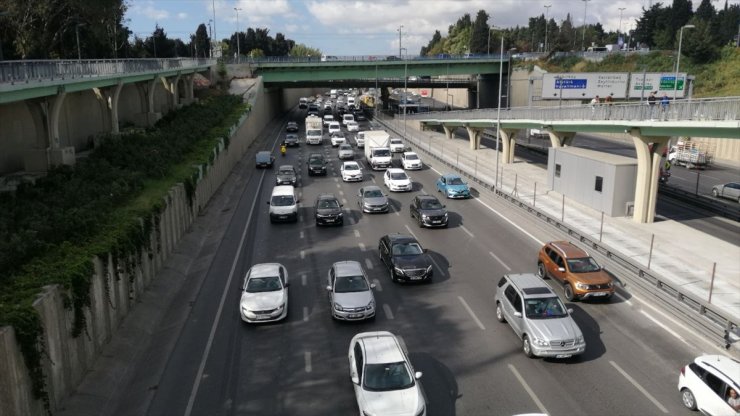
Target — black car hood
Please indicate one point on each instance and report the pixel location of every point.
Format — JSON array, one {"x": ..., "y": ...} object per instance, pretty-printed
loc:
[
  {"x": 328, "y": 211},
  {"x": 433, "y": 212},
  {"x": 421, "y": 261}
]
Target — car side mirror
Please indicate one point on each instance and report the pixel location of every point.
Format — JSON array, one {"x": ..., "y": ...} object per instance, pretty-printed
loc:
[
  {"x": 518, "y": 314},
  {"x": 570, "y": 310},
  {"x": 444, "y": 206},
  {"x": 341, "y": 205},
  {"x": 372, "y": 285},
  {"x": 355, "y": 379},
  {"x": 561, "y": 269},
  {"x": 287, "y": 284},
  {"x": 426, "y": 249},
  {"x": 328, "y": 288},
  {"x": 268, "y": 202},
  {"x": 418, "y": 375}
]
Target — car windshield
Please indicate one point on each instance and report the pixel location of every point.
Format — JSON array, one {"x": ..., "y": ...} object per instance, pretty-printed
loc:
[
  {"x": 286, "y": 172},
  {"x": 313, "y": 133},
  {"x": 382, "y": 153},
  {"x": 583, "y": 265},
  {"x": 398, "y": 176},
  {"x": 282, "y": 200},
  {"x": 412, "y": 157},
  {"x": 316, "y": 161},
  {"x": 407, "y": 249},
  {"x": 391, "y": 376},
  {"x": 396, "y": 141},
  {"x": 373, "y": 193},
  {"x": 345, "y": 147},
  {"x": 263, "y": 284},
  {"x": 544, "y": 308},
  {"x": 455, "y": 181},
  {"x": 345, "y": 284},
  {"x": 351, "y": 166},
  {"x": 430, "y": 204},
  {"x": 328, "y": 203}
]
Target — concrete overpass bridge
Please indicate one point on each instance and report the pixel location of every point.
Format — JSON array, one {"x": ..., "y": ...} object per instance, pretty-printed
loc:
[{"x": 649, "y": 127}]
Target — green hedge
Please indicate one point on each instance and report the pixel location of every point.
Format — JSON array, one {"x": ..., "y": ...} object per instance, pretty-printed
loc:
[{"x": 51, "y": 230}]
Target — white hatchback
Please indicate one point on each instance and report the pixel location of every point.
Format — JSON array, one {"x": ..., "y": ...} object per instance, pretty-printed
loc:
[
  {"x": 345, "y": 151},
  {"x": 385, "y": 383},
  {"x": 705, "y": 384},
  {"x": 337, "y": 138},
  {"x": 397, "y": 180},
  {"x": 351, "y": 172},
  {"x": 397, "y": 145},
  {"x": 264, "y": 293},
  {"x": 334, "y": 127},
  {"x": 352, "y": 126},
  {"x": 410, "y": 161}
]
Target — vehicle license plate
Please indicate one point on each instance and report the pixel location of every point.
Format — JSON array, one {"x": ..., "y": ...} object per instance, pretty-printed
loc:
[
  {"x": 416, "y": 278},
  {"x": 260, "y": 317},
  {"x": 563, "y": 356},
  {"x": 329, "y": 220},
  {"x": 600, "y": 294},
  {"x": 436, "y": 222},
  {"x": 282, "y": 217},
  {"x": 354, "y": 315}
]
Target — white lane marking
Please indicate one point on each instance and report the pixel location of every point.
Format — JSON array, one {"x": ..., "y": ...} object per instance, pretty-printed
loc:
[
  {"x": 344, "y": 200},
  {"x": 357, "y": 233},
  {"x": 639, "y": 387},
  {"x": 341, "y": 193},
  {"x": 227, "y": 286},
  {"x": 467, "y": 231},
  {"x": 300, "y": 218},
  {"x": 529, "y": 390},
  {"x": 437, "y": 266},
  {"x": 303, "y": 254},
  {"x": 362, "y": 246},
  {"x": 373, "y": 179},
  {"x": 499, "y": 260},
  {"x": 369, "y": 264},
  {"x": 302, "y": 234},
  {"x": 304, "y": 280},
  {"x": 397, "y": 212},
  {"x": 307, "y": 359},
  {"x": 378, "y": 287},
  {"x": 670, "y": 331},
  {"x": 472, "y": 314},
  {"x": 410, "y": 232},
  {"x": 305, "y": 314},
  {"x": 339, "y": 186},
  {"x": 388, "y": 311},
  {"x": 336, "y": 179}
]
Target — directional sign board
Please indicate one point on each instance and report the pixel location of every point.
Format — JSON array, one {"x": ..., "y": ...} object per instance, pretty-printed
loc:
[
  {"x": 584, "y": 85},
  {"x": 661, "y": 83}
]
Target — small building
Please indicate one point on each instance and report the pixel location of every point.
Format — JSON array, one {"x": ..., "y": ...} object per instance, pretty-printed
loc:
[{"x": 602, "y": 181}]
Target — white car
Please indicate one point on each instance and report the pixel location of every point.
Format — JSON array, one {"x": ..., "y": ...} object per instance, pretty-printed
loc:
[
  {"x": 334, "y": 127},
  {"x": 351, "y": 172},
  {"x": 705, "y": 384},
  {"x": 328, "y": 118},
  {"x": 264, "y": 293},
  {"x": 337, "y": 138},
  {"x": 397, "y": 180},
  {"x": 360, "y": 139},
  {"x": 410, "y": 161},
  {"x": 350, "y": 293},
  {"x": 397, "y": 145},
  {"x": 345, "y": 151},
  {"x": 385, "y": 383},
  {"x": 352, "y": 126},
  {"x": 347, "y": 118}
]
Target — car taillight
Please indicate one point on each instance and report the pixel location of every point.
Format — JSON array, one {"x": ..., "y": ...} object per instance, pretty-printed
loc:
[{"x": 683, "y": 370}]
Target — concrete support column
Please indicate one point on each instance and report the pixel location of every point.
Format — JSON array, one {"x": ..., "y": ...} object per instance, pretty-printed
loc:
[
  {"x": 648, "y": 172},
  {"x": 56, "y": 107},
  {"x": 113, "y": 105},
  {"x": 151, "y": 87},
  {"x": 173, "y": 89},
  {"x": 507, "y": 139},
  {"x": 147, "y": 89},
  {"x": 558, "y": 139},
  {"x": 448, "y": 131},
  {"x": 474, "y": 137}
]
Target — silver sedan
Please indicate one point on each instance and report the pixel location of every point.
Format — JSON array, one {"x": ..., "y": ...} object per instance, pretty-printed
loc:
[{"x": 372, "y": 199}]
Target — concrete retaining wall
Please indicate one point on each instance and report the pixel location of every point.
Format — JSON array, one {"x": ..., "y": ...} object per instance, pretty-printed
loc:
[{"x": 117, "y": 286}]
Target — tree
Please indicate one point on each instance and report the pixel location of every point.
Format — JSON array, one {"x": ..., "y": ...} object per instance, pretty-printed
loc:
[
  {"x": 700, "y": 46},
  {"x": 436, "y": 38},
  {"x": 728, "y": 19},
  {"x": 564, "y": 37},
  {"x": 202, "y": 42},
  {"x": 303, "y": 50},
  {"x": 705, "y": 11},
  {"x": 479, "y": 34}
]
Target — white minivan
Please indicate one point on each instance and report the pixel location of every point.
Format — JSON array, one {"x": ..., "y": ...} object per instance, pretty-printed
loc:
[
  {"x": 283, "y": 204},
  {"x": 347, "y": 118}
]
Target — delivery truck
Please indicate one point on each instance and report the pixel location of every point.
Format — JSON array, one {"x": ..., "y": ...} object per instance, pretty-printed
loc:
[
  {"x": 377, "y": 149},
  {"x": 314, "y": 130}
]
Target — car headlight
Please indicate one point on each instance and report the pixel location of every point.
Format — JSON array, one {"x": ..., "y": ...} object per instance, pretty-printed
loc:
[
  {"x": 398, "y": 270},
  {"x": 365, "y": 413},
  {"x": 579, "y": 339},
  {"x": 425, "y": 216},
  {"x": 429, "y": 269},
  {"x": 540, "y": 342},
  {"x": 281, "y": 307},
  {"x": 245, "y": 310},
  {"x": 421, "y": 410},
  {"x": 610, "y": 284},
  {"x": 371, "y": 305},
  {"x": 446, "y": 215},
  {"x": 338, "y": 307},
  {"x": 581, "y": 286}
]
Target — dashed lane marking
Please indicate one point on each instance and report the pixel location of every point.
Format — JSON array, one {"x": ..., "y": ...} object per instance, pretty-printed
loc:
[
  {"x": 499, "y": 260},
  {"x": 472, "y": 314}
]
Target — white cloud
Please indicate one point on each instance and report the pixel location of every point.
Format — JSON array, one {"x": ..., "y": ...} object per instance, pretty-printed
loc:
[
  {"x": 182, "y": 15},
  {"x": 147, "y": 10},
  {"x": 291, "y": 28}
]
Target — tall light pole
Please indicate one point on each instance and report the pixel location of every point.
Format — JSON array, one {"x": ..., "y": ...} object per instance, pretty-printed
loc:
[
  {"x": 238, "y": 49},
  {"x": 619, "y": 30},
  {"x": 400, "y": 28},
  {"x": 547, "y": 12},
  {"x": 210, "y": 36},
  {"x": 678, "y": 59},
  {"x": 215, "y": 36},
  {"x": 498, "y": 110},
  {"x": 583, "y": 37}
]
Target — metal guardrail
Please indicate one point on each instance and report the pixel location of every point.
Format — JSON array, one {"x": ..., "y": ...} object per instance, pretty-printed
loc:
[
  {"x": 702, "y": 313},
  {"x": 17, "y": 72},
  {"x": 705, "y": 109}
]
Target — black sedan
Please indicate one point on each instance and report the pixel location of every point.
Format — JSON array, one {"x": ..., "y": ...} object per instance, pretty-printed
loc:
[
  {"x": 328, "y": 210},
  {"x": 405, "y": 259},
  {"x": 316, "y": 164},
  {"x": 292, "y": 127},
  {"x": 428, "y": 211}
]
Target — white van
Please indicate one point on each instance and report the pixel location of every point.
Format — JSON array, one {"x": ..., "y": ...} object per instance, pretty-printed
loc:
[
  {"x": 328, "y": 118},
  {"x": 347, "y": 118},
  {"x": 283, "y": 204}
]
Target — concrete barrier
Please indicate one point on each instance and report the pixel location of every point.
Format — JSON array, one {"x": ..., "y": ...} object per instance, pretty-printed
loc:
[{"x": 117, "y": 285}]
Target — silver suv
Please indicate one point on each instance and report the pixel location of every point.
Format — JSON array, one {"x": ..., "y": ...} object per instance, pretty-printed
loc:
[{"x": 538, "y": 317}]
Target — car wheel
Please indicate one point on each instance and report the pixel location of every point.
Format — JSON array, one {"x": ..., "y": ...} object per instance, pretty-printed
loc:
[
  {"x": 500, "y": 313},
  {"x": 526, "y": 347},
  {"x": 569, "y": 295},
  {"x": 541, "y": 271},
  {"x": 688, "y": 399}
]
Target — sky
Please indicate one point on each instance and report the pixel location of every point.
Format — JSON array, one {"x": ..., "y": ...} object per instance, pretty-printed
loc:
[{"x": 347, "y": 27}]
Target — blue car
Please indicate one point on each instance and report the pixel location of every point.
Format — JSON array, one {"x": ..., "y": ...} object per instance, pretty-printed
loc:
[{"x": 453, "y": 186}]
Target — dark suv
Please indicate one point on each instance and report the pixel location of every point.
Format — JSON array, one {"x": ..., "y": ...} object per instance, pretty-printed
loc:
[
  {"x": 328, "y": 210},
  {"x": 406, "y": 260},
  {"x": 428, "y": 211},
  {"x": 316, "y": 164}
]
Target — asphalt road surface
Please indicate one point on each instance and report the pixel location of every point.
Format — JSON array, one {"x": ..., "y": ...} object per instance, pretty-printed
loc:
[{"x": 472, "y": 364}]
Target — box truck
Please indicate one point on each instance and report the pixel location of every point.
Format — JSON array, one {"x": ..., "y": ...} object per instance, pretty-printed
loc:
[
  {"x": 377, "y": 149},
  {"x": 314, "y": 130}
]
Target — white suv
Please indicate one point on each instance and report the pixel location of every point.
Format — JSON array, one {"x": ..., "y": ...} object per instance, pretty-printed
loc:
[
  {"x": 384, "y": 380},
  {"x": 705, "y": 384}
]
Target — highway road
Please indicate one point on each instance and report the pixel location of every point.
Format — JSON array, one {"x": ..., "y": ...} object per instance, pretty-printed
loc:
[{"x": 472, "y": 364}]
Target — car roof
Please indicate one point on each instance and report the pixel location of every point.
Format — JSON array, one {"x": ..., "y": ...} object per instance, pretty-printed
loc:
[
  {"x": 409, "y": 153},
  {"x": 401, "y": 238},
  {"x": 530, "y": 285},
  {"x": 286, "y": 167},
  {"x": 395, "y": 170},
  {"x": 326, "y": 196},
  {"x": 371, "y": 188},
  {"x": 568, "y": 249},
  {"x": 450, "y": 175},
  {"x": 351, "y": 162},
  {"x": 347, "y": 268},
  {"x": 381, "y": 347},
  {"x": 720, "y": 364},
  {"x": 423, "y": 197},
  {"x": 264, "y": 269}
]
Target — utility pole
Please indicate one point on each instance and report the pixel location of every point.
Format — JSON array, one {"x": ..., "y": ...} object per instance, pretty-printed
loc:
[
  {"x": 619, "y": 30},
  {"x": 213, "y": 4},
  {"x": 547, "y": 12},
  {"x": 238, "y": 49},
  {"x": 583, "y": 37},
  {"x": 210, "y": 38},
  {"x": 400, "y": 28},
  {"x": 678, "y": 60}
]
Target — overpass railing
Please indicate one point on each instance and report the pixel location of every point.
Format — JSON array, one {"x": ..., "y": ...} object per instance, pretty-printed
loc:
[
  {"x": 726, "y": 108},
  {"x": 358, "y": 58},
  {"x": 16, "y": 72}
]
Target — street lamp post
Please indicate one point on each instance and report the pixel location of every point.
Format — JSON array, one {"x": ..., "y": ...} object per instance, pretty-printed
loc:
[
  {"x": 400, "y": 29},
  {"x": 678, "y": 59},
  {"x": 215, "y": 35},
  {"x": 238, "y": 48},
  {"x": 583, "y": 37},
  {"x": 210, "y": 35},
  {"x": 498, "y": 110},
  {"x": 619, "y": 30},
  {"x": 547, "y": 12}
]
